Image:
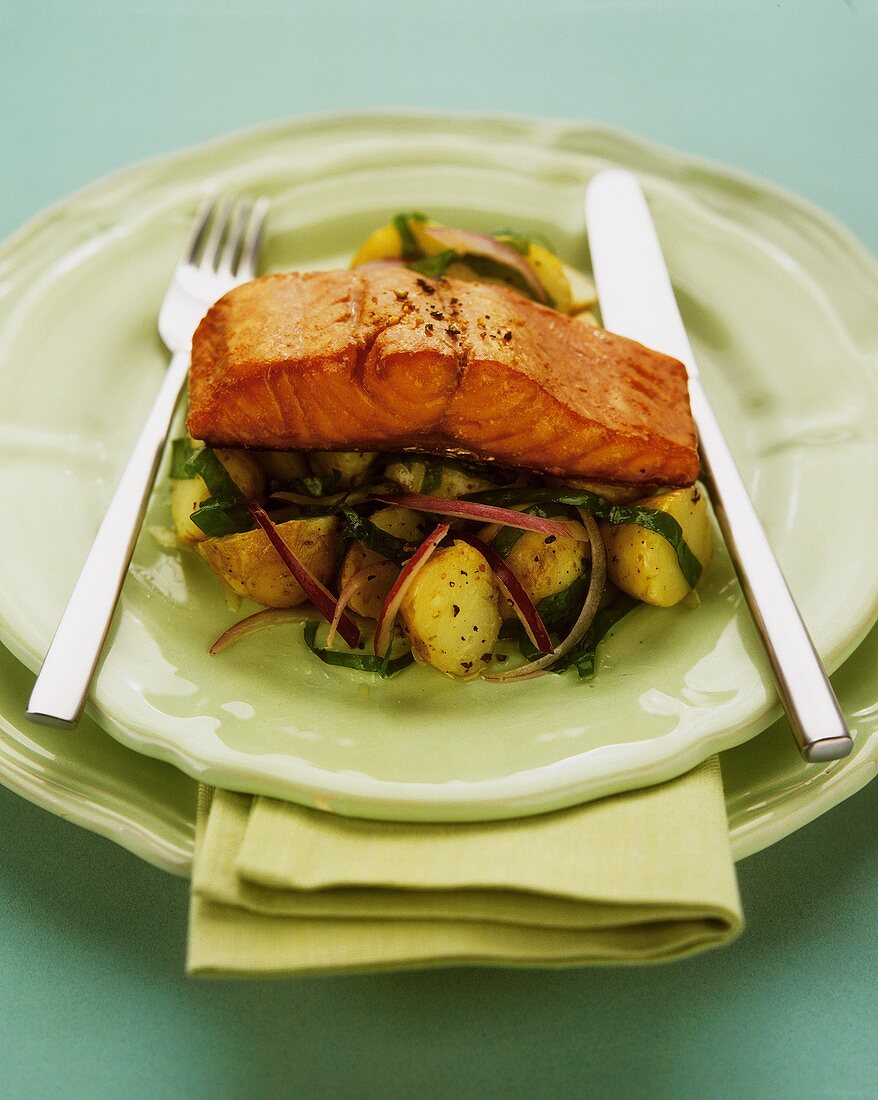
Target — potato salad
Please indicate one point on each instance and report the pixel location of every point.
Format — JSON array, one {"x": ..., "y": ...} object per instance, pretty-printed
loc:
[{"x": 470, "y": 567}]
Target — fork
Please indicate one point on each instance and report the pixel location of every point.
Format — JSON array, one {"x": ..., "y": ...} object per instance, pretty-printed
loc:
[{"x": 221, "y": 254}]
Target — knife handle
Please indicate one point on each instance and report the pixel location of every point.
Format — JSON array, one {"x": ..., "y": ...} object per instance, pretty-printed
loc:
[{"x": 812, "y": 709}]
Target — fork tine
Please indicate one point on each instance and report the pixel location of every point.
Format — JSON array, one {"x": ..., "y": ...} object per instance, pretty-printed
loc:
[
  {"x": 210, "y": 255},
  {"x": 250, "y": 247},
  {"x": 204, "y": 211},
  {"x": 227, "y": 264}
]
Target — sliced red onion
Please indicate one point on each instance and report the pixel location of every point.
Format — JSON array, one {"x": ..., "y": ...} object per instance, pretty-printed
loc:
[
  {"x": 469, "y": 243},
  {"x": 344, "y": 598},
  {"x": 586, "y": 616},
  {"x": 484, "y": 513},
  {"x": 390, "y": 607},
  {"x": 271, "y": 616},
  {"x": 317, "y": 593},
  {"x": 513, "y": 589}
]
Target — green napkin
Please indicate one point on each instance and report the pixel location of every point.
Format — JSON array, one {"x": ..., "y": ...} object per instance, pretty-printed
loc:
[{"x": 641, "y": 877}]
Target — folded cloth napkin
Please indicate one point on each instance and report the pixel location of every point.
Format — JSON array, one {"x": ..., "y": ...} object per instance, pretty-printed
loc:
[{"x": 640, "y": 877}]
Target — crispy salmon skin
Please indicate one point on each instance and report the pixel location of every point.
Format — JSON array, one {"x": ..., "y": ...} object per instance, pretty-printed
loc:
[{"x": 380, "y": 359}]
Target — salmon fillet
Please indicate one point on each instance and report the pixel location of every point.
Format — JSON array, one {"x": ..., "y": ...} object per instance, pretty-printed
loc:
[{"x": 380, "y": 358}]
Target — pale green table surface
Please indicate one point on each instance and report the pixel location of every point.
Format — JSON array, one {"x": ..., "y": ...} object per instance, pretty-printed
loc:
[{"x": 93, "y": 1001}]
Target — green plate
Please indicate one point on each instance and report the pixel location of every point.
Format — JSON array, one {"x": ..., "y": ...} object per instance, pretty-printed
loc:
[
  {"x": 781, "y": 305},
  {"x": 149, "y": 807}
]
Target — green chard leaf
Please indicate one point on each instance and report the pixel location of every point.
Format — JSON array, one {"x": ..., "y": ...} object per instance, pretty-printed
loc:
[
  {"x": 508, "y": 537},
  {"x": 371, "y": 536},
  {"x": 225, "y": 513},
  {"x": 515, "y": 240},
  {"x": 411, "y": 250},
  {"x": 434, "y": 267},
  {"x": 521, "y": 242},
  {"x": 432, "y": 478},
  {"x": 583, "y": 657},
  {"x": 362, "y": 662},
  {"x": 181, "y": 450},
  {"x": 563, "y": 606},
  {"x": 660, "y": 523},
  {"x": 221, "y": 517},
  {"x": 315, "y": 486},
  {"x": 205, "y": 464}
]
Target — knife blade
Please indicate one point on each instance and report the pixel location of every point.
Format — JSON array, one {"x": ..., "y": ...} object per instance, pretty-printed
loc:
[{"x": 637, "y": 300}]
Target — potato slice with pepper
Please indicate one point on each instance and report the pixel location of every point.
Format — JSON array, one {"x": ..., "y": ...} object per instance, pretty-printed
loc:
[
  {"x": 450, "y": 612},
  {"x": 645, "y": 565},
  {"x": 249, "y": 565},
  {"x": 188, "y": 494},
  {"x": 377, "y": 582}
]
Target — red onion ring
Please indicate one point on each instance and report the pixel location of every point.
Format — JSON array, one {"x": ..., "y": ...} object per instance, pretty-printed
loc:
[
  {"x": 513, "y": 589},
  {"x": 271, "y": 616},
  {"x": 466, "y": 242},
  {"x": 586, "y": 615},
  {"x": 317, "y": 593},
  {"x": 390, "y": 607},
  {"x": 484, "y": 513}
]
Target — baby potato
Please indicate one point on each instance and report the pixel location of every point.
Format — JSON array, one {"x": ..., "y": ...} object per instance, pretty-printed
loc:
[
  {"x": 376, "y": 582},
  {"x": 447, "y": 481},
  {"x": 550, "y": 271},
  {"x": 188, "y": 494},
  {"x": 450, "y": 612},
  {"x": 407, "y": 473},
  {"x": 383, "y": 244},
  {"x": 582, "y": 290},
  {"x": 644, "y": 564},
  {"x": 244, "y": 470},
  {"x": 404, "y": 524},
  {"x": 353, "y": 466},
  {"x": 248, "y": 564},
  {"x": 283, "y": 465},
  {"x": 544, "y": 565}
]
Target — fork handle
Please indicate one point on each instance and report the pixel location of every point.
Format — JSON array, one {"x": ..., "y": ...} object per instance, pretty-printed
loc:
[{"x": 61, "y": 688}]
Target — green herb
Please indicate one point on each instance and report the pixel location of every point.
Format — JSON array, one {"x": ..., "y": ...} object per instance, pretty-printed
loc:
[
  {"x": 660, "y": 523},
  {"x": 371, "y": 536},
  {"x": 567, "y": 605},
  {"x": 486, "y": 268},
  {"x": 432, "y": 478},
  {"x": 316, "y": 486},
  {"x": 563, "y": 606},
  {"x": 181, "y": 449},
  {"x": 507, "y": 537},
  {"x": 521, "y": 242},
  {"x": 219, "y": 517},
  {"x": 205, "y": 464},
  {"x": 584, "y": 656},
  {"x": 435, "y": 266},
  {"x": 515, "y": 240},
  {"x": 225, "y": 513},
  {"x": 411, "y": 250},
  {"x": 362, "y": 662},
  {"x": 558, "y": 612}
]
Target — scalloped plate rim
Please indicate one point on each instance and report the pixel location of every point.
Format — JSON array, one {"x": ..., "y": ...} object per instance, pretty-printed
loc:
[{"x": 689, "y": 753}]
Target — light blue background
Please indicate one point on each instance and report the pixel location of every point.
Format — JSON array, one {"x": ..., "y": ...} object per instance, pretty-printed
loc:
[{"x": 92, "y": 997}]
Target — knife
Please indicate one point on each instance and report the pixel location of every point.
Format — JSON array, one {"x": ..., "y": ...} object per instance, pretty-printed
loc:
[{"x": 637, "y": 301}]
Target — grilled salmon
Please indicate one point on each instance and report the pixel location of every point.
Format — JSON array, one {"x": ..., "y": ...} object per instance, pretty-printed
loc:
[{"x": 380, "y": 359}]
